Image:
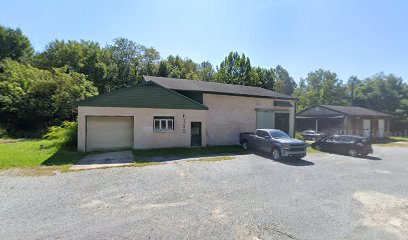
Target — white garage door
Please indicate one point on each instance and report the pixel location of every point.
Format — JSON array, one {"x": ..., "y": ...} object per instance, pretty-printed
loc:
[{"x": 106, "y": 133}]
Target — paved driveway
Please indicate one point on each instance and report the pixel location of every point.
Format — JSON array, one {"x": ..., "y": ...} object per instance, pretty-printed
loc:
[{"x": 251, "y": 197}]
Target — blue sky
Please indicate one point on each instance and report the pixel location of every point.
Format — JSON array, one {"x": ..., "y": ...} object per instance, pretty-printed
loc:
[{"x": 344, "y": 36}]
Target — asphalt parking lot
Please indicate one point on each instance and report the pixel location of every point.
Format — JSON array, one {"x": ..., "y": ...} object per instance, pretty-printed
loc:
[{"x": 324, "y": 196}]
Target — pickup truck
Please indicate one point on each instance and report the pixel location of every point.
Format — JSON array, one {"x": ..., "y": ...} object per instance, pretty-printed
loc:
[{"x": 274, "y": 141}]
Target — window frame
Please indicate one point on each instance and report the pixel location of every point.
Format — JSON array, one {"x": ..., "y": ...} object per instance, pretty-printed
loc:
[{"x": 165, "y": 121}]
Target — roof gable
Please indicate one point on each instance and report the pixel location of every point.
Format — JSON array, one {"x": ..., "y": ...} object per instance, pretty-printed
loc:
[
  {"x": 216, "y": 88},
  {"x": 147, "y": 95}
]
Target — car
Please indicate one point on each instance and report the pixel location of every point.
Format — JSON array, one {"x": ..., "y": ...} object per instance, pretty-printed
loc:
[
  {"x": 273, "y": 141},
  {"x": 344, "y": 144},
  {"x": 312, "y": 135}
]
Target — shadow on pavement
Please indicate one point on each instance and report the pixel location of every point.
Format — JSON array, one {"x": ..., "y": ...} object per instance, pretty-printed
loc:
[
  {"x": 287, "y": 161},
  {"x": 371, "y": 158}
]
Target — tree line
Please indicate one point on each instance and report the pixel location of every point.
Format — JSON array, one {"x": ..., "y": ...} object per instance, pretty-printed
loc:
[{"x": 38, "y": 90}]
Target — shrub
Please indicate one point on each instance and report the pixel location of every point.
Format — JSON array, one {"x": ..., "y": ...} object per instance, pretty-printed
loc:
[
  {"x": 298, "y": 136},
  {"x": 66, "y": 134}
]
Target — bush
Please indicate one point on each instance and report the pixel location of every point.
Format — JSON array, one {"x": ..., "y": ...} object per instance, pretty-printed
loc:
[
  {"x": 298, "y": 136},
  {"x": 66, "y": 134}
]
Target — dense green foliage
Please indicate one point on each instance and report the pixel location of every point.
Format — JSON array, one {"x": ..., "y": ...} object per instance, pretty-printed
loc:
[
  {"x": 65, "y": 134},
  {"x": 32, "y": 99},
  {"x": 320, "y": 87},
  {"x": 14, "y": 44},
  {"x": 385, "y": 93},
  {"x": 41, "y": 90}
]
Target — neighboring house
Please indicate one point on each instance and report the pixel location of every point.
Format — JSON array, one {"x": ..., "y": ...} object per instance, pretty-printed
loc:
[
  {"x": 344, "y": 120},
  {"x": 166, "y": 112}
]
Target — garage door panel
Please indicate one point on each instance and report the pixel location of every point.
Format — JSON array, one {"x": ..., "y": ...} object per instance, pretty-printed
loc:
[{"x": 104, "y": 133}]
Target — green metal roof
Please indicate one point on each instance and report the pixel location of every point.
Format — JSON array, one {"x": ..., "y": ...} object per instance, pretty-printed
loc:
[{"x": 146, "y": 95}]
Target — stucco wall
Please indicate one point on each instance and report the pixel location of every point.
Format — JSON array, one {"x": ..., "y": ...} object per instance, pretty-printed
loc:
[
  {"x": 144, "y": 135},
  {"x": 229, "y": 115}
]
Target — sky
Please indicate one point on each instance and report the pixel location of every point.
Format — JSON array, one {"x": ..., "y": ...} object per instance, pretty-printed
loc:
[{"x": 348, "y": 37}]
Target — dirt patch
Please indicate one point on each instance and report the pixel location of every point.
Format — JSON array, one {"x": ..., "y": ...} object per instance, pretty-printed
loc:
[
  {"x": 384, "y": 212},
  {"x": 37, "y": 171}
]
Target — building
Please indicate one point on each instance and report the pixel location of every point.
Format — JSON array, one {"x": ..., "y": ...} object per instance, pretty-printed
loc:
[
  {"x": 166, "y": 112},
  {"x": 333, "y": 119}
]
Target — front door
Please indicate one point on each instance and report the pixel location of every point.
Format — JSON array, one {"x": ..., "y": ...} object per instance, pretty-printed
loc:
[
  {"x": 381, "y": 127},
  {"x": 196, "y": 134},
  {"x": 366, "y": 128}
]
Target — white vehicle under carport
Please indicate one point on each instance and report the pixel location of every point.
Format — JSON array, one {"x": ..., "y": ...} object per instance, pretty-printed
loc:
[{"x": 274, "y": 141}]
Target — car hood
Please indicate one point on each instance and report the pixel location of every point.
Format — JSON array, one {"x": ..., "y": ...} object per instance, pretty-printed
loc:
[{"x": 290, "y": 141}]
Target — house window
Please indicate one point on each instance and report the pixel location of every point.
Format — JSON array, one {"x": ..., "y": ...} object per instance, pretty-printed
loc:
[{"x": 163, "y": 123}]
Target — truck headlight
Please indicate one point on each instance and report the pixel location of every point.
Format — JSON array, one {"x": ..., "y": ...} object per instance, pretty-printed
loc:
[{"x": 286, "y": 146}]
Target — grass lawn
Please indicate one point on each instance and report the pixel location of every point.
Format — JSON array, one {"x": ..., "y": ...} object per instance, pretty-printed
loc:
[
  {"x": 391, "y": 142},
  {"x": 30, "y": 153},
  {"x": 142, "y": 155}
]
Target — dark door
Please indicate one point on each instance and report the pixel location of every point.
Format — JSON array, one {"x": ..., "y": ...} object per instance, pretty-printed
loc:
[
  {"x": 282, "y": 122},
  {"x": 196, "y": 134}
]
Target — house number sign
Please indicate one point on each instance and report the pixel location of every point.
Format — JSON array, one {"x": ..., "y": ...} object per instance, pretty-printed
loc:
[{"x": 184, "y": 123}]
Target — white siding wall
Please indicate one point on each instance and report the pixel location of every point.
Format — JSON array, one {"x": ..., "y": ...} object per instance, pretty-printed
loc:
[
  {"x": 229, "y": 115},
  {"x": 144, "y": 136}
]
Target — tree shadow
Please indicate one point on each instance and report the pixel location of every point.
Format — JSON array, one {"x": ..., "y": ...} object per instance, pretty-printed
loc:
[
  {"x": 64, "y": 156},
  {"x": 286, "y": 161}
]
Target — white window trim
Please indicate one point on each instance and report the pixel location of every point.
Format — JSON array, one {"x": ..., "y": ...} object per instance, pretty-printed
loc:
[{"x": 166, "y": 122}]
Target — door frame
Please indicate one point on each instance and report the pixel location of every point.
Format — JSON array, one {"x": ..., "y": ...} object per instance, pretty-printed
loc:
[
  {"x": 86, "y": 127},
  {"x": 367, "y": 130},
  {"x": 201, "y": 134}
]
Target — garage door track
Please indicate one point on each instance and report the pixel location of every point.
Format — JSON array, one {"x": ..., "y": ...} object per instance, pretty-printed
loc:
[{"x": 103, "y": 160}]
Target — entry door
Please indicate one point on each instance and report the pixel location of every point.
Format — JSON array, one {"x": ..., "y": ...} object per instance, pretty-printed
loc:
[
  {"x": 381, "y": 127},
  {"x": 366, "y": 127},
  {"x": 196, "y": 134},
  {"x": 265, "y": 119},
  {"x": 282, "y": 122}
]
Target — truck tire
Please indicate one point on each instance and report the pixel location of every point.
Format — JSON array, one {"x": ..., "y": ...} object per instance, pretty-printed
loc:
[
  {"x": 276, "y": 154},
  {"x": 352, "y": 152},
  {"x": 245, "y": 145}
]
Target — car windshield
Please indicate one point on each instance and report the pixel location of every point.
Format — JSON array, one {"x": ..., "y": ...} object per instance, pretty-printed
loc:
[{"x": 278, "y": 134}]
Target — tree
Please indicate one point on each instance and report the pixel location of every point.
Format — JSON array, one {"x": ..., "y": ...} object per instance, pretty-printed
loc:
[
  {"x": 320, "y": 87},
  {"x": 32, "y": 99},
  {"x": 284, "y": 83},
  {"x": 85, "y": 57},
  {"x": 264, "y": 78},
  {"x": 182, "y": 68},
  {"x": 235, "y": 69},
  {"x": 384, "y": 93},
  {"x": 206, "y": 71},
  {"x": 14, "y": 44},
  {"x": 163, "y": 70},
  {"x": 133, "y": 60}
]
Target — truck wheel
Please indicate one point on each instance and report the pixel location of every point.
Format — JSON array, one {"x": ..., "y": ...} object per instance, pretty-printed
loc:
[
  {"x": 245, "y": 145},
  {"x": 276, "y": 154},
  {"x": 318, "y": 147},
  {"x": 352, "y": 152}
]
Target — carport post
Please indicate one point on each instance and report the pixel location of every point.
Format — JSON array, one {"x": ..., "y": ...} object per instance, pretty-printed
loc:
[{"x": 316, "y": 125}]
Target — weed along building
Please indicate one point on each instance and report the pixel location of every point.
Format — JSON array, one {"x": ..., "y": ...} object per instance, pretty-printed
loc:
[{"x": 167, "y": 112}]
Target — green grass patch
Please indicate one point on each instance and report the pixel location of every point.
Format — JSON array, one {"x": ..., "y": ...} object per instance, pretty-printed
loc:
[
  {"x": 185, "y": 152},
  {"x": 399, "y": 139},
  {"x": 36, "y": 153}
]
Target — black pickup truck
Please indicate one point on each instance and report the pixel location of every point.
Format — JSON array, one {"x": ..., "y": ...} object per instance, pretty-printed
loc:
[{"x": 274, "y": 141}]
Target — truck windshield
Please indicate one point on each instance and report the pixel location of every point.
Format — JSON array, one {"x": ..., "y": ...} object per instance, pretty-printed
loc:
[{"x": 278, "y": 134}]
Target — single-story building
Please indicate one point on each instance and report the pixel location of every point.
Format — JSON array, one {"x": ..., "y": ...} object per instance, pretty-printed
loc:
[
  {"x": 332, "y": 119},
  {"x": 166, "y": 112}
]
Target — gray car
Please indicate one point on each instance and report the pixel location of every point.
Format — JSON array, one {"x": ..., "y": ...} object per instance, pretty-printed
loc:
[{"x": 273, "y": 141}]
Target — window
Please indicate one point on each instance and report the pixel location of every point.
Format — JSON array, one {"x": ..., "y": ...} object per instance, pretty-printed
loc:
[
  {"x": 261, "y": 133},
  {"x": 163, "y": 123}
]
